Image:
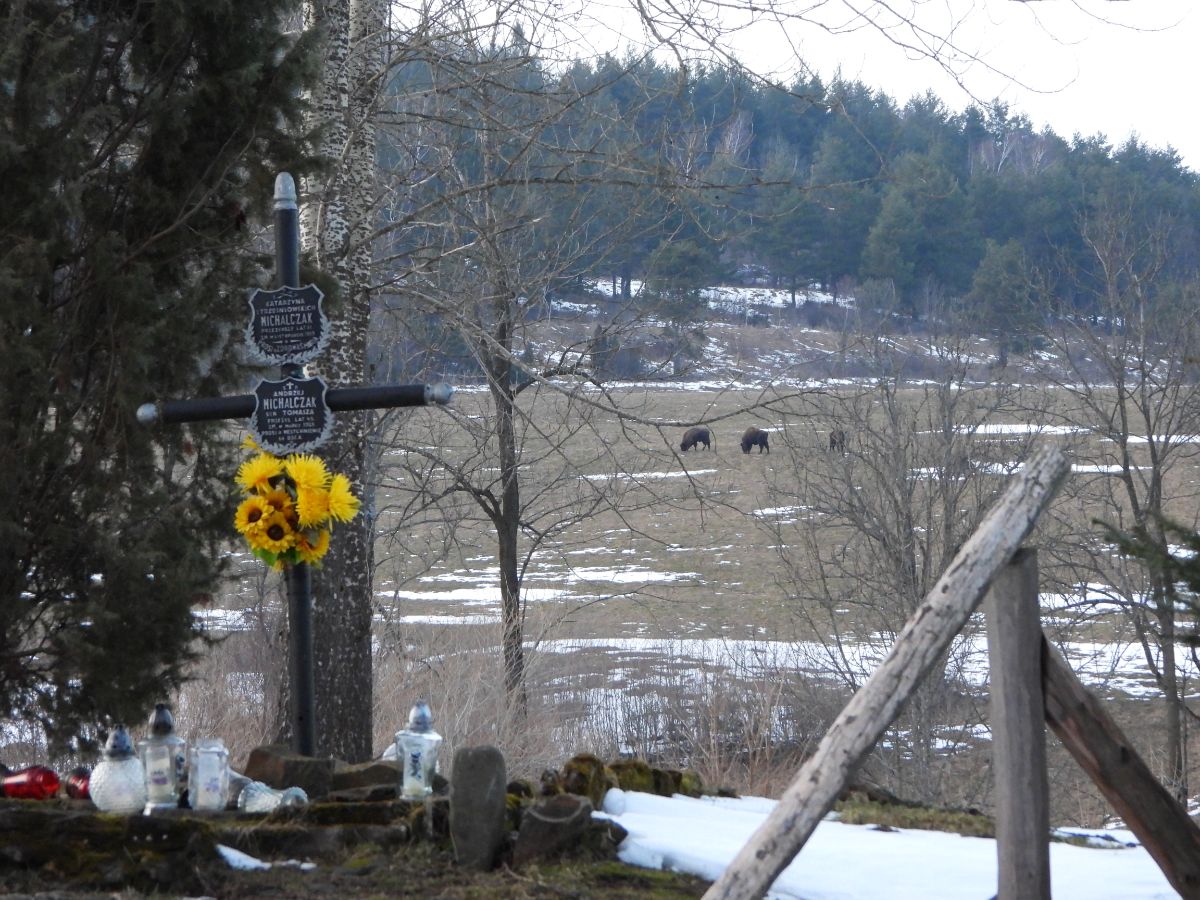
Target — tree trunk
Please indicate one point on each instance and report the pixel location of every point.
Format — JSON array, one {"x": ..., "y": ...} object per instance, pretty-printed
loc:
[
  {"x": 508, "y": 516},
  {"x": 336, "y": 218},
  {"x": 1174, "y": 775}
]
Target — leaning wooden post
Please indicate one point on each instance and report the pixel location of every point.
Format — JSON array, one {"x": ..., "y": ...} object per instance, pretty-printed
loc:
[
  {"x": 1163, "y": 826},
  {"x": 1014, "y": 634},
  {"x": 919, "y": 646}
]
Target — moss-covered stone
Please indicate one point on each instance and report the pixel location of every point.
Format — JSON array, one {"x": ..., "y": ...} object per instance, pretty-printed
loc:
[
  {"x": 522, "y": 787},
  {"x": 666, "y": 782},
  {"x": 514, "y": 809},
  {"x": 587, "y": 776},
  {"x": 690, "y": 783},
  {"x": 550, "y": 783},
  {"x": 150, "y": 854},
  {"x": 633, "y": 775},
  {"x": 430, "y": 820}
]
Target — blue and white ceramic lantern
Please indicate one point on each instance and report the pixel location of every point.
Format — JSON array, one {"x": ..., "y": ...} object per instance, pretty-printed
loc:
[{"x": 417, "y": 749}]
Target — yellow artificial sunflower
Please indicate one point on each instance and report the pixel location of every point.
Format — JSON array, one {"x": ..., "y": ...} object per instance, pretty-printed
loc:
[
  {"x": 275, "y": 535},
  {"x": 307, "y": 471},
  {"x": 280, "y": 500},
  {"x": 312, "y": 506},
  {"x": 255, "y": 474},
  {"x": 343, "y": 505},
  {"x": 311, "y": 550},
  {"x": 251, "y": 514}
]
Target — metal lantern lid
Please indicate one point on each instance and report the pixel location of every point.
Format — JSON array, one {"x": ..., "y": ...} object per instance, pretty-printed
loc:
[
  {"x": 420, "y": 717},
  {"x": 119, "y": 746},
  {"x": 162, "y": 723}
]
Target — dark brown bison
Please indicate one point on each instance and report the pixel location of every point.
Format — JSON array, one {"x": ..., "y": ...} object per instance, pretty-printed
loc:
[
  {"x": 837, "y": 441},
  {"x": 695, "y": 436},
  {"x": 755, "y": 436}
]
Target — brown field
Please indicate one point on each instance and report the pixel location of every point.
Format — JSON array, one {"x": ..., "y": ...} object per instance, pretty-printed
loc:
[{"x": 697, "y": 588}]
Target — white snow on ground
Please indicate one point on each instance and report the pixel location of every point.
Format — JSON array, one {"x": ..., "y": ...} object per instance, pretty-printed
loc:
[{"x": 857, "y": 862}]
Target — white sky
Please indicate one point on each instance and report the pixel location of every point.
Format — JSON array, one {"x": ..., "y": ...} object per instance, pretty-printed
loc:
[
  {"x": 1065, "y": 68},
  {"x": 1058, "y": 61}
]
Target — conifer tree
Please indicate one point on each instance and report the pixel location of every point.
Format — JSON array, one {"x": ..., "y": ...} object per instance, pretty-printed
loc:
[{"x": 134, "y": 137}]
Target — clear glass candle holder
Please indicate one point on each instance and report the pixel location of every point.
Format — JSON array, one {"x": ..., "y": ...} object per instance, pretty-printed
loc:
[
  {"x": 208, "y": 775},
  {"x": 417, "y": 750}
]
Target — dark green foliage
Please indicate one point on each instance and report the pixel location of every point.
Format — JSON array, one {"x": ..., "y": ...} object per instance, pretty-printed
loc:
[
  {"x": 1001, "y": 296},
  {"x": 1178, "y": 562},
  {"x": 134, "y": 137},
  {"x": 676, "y": 176}
]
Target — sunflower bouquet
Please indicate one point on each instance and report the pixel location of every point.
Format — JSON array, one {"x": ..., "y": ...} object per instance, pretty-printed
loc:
[{"x": 290, "y": 506}]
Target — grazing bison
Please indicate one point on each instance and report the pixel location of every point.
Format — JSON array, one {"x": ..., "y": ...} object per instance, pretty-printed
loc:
[
  {"x": 695, "y": 436},
  {"x": 837, "y": 441},
  {"x": 755, "y": 436}
]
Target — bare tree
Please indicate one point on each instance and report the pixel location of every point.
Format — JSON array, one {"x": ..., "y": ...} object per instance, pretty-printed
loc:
[
  {"x": 477, "y": 251},
  {"x": 876, "y": 516},
  {"x": 1128, "y": 385}
]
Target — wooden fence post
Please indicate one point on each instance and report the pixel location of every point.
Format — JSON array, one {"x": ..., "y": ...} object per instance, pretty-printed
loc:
[
  {"x": 1163, "y": 826},
  {"x": 942, "y": 614},
  {"x": 1014, "y": 634}
]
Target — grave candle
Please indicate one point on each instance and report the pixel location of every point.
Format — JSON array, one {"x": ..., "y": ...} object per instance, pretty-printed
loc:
[
  {"x": 417, "y": 748},
  {"x": 208, "y": 774},
  {"x": 163, "y": 756}
]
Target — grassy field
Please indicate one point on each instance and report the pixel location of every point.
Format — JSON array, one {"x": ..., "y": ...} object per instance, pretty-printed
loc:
[{"x": 714, "y": 607}]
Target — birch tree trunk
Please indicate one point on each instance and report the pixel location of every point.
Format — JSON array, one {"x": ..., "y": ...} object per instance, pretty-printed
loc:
[{"x": 336, "y": 225}]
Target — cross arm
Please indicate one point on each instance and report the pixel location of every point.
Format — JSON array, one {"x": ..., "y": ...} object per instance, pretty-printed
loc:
[{"x": 207, "y": 409}]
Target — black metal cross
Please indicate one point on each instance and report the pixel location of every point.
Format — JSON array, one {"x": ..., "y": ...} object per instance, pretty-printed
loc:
[{"x": 291, "y": 330}]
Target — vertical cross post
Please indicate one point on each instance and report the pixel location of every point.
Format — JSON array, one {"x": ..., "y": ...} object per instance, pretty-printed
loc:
[
  {"x": 288, "y": 328},
  {"x": 1014, "y": 633},
  {"x": 297, "y": 576}
]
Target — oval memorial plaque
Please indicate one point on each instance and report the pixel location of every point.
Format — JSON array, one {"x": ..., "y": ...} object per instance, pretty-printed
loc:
[
  {"x": 291, "y": 416},
  {"x": 287, "y": 325}
]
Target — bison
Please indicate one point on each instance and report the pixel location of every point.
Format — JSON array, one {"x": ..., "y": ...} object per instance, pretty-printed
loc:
[
  {"x": 837, "y": 441},
  {"x": 695, "y": 436},
  {"x": 755, "y": 437}
]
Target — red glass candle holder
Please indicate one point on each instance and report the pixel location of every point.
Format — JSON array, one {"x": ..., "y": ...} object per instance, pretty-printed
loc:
[
  {"x": 31, "y": 783},
  {"x": 77, "y": 783}
]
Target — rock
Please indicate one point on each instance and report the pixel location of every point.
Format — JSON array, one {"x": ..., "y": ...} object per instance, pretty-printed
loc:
[
  {"x": 371, "y": 793},
  {"x": 550, "y": 783},
  {"x": 373, "y": 774},
  {"x": 552, "y": 826},
  {"x": 277, "y": 766},
  {"x": 587, "y": 776},
  {"x": 633, "y": 775},
  {"x": 666, "y": 782},
  {"x": 429, "y": 819},
  {"x": 521, "y": 788},
  {"x": 477, "y": 806},
  {"x": 601, "y": 839},
  {"x": 690, "y": 783}
]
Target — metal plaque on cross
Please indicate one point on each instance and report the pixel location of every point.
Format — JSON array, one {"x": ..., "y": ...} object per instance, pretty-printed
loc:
[
  {"x": 287, "y": 325},
  {"x": 291, "y": 415}
]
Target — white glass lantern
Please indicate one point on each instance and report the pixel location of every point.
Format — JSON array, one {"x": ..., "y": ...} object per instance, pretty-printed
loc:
[
  {"x": 118, "y": 783},
  {"x": 257, "y": 797},
  {"x": 164, "y": 760},
  {"x": 417, "y": 749},
  {"x": 208, "y": 775}
]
